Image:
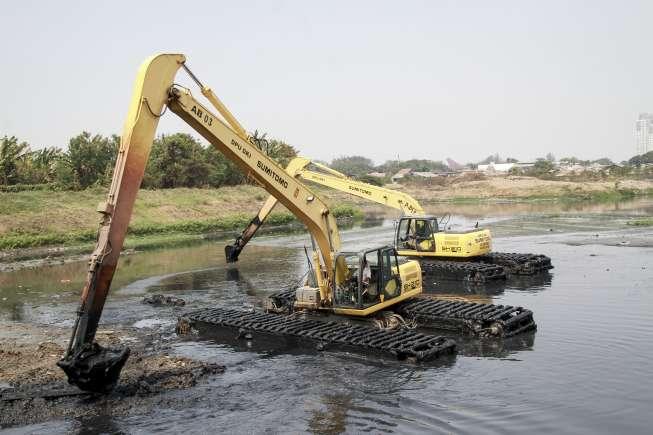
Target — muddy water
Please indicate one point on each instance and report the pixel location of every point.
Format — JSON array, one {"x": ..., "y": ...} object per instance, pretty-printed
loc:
[{"x": 586, "y": 370}]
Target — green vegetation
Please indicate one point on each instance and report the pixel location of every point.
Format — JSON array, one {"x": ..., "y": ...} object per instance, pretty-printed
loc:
[
  {"x": 48, "y": 218},
  {"x": 641, "y": 159},
  {"x": 346, "y": 211},
  {"x": 184, "y": 227},
  {"x": 47, "y": 196},
  {"x": 176, "y": 160},
  {"x": 565, "y": 196},
  {"x": 353, "y": 166},
  {"x": 644, "y": 222}
]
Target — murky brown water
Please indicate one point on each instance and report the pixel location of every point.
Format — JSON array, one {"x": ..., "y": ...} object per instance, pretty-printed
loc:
[{"x": 586, "y": 370}]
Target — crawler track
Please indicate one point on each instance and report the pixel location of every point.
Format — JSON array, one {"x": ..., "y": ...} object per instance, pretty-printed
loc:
[
  {"x": 483, "y": 320},
  {"x": 468, "y": 271},
  {"x": 486, "y": 268},
  {"x": 518, "y": 264},
  {"x": 251, "y": 325}
]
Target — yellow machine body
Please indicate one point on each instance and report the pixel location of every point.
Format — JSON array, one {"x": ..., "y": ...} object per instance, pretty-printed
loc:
[
  {"x": 418, "y": 236},
  {"x": 433, "y": 243}
]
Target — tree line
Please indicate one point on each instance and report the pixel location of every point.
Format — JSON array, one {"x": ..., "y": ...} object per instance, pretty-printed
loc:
[
  {"x": 176, "y": 160},
  {"x": 180, "y": 160}
]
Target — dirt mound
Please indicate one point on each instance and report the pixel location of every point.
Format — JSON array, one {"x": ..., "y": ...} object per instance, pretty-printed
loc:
[
  {"x": 34, "y": 389},
  {"x": 40, "y": 393},
  {"x": 30, "y": 364}
]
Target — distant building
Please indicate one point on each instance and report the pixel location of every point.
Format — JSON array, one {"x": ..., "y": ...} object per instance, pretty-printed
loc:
[
  {"x": 503, "y": 168},
  {"x": 644, "y": 133},
  {"x": 401, "y": 174},
  {"x": 424, "y": 174},
  {"x": 454, "y": 165},
  {"x": 496, "y": 167},
  {"x": 377, "y": 174}
]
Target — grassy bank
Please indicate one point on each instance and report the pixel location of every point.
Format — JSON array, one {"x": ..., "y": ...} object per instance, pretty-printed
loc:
[
  {"x": 30, "y": 219},
  {"x": 593, "y": 196},
  {"x": 459, "y": 190},
  {"x": 644, "y": 222},
  {"x": 35, "y": 218}
]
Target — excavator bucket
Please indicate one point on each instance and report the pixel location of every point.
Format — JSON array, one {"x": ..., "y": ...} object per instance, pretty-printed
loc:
[
  {"x": 88, "y": 365},
  {"x": 95, "y": 368},
  {"x": 231, "y": 253}
]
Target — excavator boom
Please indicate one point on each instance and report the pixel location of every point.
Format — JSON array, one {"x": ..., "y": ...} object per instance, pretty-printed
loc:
[
  {"x": 92, "y": 367},
  {"x": 328, "y": 177}
]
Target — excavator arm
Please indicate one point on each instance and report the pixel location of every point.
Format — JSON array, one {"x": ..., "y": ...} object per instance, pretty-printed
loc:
[
  {"x": 299, "y": 168},
  {"x": 92, "y": 367}
]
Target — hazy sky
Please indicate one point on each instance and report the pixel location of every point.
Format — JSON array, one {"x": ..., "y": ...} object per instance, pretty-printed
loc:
[{"x": 414, "y": 79}]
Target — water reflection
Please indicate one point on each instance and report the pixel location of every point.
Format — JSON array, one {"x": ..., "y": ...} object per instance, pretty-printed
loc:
[
  {"x": 372, "y": 221},
  {"x": 100, "y": 424},
  {"x": 531, "y": 283},
  {"x": 242, "y": 282},
  {"x": 495, "y": 348},
  {"x": 332, "y": 419},
  {"x": 485, "y": 292},
  {"x": 16, "y": 311}
]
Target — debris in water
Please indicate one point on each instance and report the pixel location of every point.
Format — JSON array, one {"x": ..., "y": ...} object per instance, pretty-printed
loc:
[{"x": 159, "y": 300}]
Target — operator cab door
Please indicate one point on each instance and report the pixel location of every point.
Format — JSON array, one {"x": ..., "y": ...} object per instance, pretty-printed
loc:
[
  {"x": 378, "y": 277},
  {"x": 390, "y": 280},
  {"x": 416, "y": 234}
]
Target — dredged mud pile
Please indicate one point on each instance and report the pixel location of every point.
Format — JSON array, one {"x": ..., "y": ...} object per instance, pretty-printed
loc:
[{"x": 34, "y": 389}]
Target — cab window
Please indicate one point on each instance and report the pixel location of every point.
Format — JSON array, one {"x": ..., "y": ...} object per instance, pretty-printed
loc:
[
  {"x": 390, "y": 281},
  {"x": 404, "y": 233},
  {"x": 424, "y": 236}
]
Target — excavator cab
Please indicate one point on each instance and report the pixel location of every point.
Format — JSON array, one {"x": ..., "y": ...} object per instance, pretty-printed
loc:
[
  {"x": 417, "y": 234},
  {"x": 365, "y": 279},
  {"x": 420, "y": 236}
]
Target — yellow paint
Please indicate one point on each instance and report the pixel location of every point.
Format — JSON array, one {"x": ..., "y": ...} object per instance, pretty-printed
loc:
[
  {"x": 297, "y": 198},
  {"x": 455, "y": 245},
  {"x": 154, "y": 89},
  {"x": 374, "y": 308}
]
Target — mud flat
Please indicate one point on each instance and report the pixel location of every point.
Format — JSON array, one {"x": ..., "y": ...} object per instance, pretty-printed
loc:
[
  {"x": 33, "y": 389},
  {"x": 520, "y": 188}
]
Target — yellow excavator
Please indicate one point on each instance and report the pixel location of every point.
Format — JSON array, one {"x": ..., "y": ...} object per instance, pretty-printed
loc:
[
  {"x": 341, "y": 283},
  {"x": 344, "y": 287},
  {"x": 466, "y": 255}
]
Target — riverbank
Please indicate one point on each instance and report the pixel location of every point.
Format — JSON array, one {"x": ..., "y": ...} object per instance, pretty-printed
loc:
[
  {"x": 33, "y": 388},
  {"x": 34, "y": 219},
  {"x": 519, "y": 188},
  {"x": 39, "y": 224}
]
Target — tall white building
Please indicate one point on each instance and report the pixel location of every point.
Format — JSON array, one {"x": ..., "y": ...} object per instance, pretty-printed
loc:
[{"x": 644, "y": 133}]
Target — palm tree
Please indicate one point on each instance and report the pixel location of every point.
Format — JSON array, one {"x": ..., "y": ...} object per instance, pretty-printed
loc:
[
  {"x": 10, "y": 152},
  {"x": 44, "y": 163}
]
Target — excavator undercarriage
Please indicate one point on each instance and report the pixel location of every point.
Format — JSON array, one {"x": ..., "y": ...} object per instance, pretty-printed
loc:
[
  {"x": 401, "y": 341},
  {"x": 430, "y": 312},
  {"x": 252, "y": 325},
  {"x": 518, "y": 263},
  {"x": 493, "y": 266}
]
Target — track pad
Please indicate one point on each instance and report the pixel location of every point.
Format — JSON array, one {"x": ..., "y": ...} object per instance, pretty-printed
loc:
[{"x": 95, "y": 368}]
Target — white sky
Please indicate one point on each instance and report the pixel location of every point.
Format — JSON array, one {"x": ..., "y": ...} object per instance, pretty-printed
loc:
[{"x": 414, "y": 79}]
